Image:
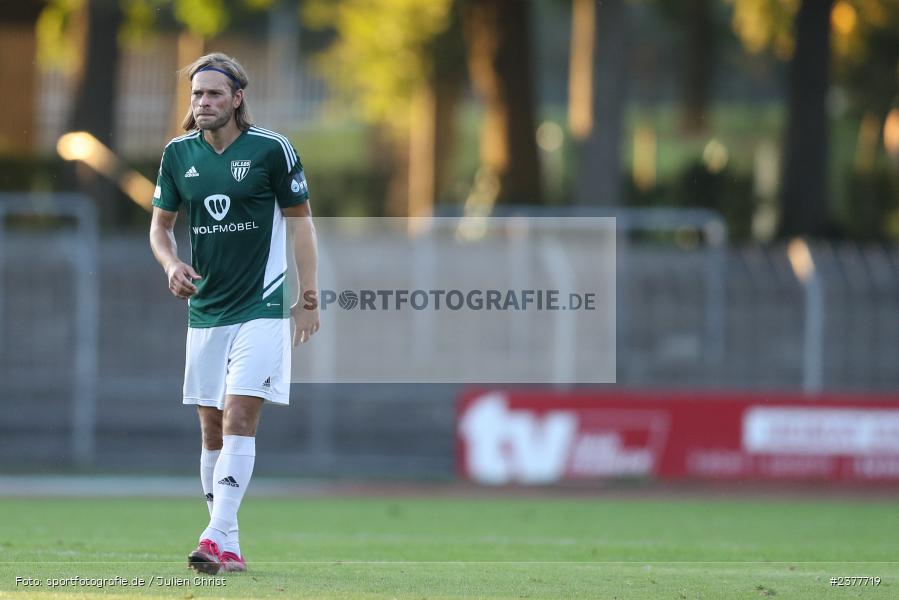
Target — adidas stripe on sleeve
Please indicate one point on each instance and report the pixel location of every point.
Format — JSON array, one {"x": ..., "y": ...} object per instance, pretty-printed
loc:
[
  {"x": 166, "y": 195},
  {"x": 288, "y": 178}
]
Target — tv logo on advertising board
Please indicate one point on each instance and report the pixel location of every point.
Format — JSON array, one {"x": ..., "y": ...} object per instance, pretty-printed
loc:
[
  {"x": 542, "y": 436},
  {"x": 503, "y": 445}
]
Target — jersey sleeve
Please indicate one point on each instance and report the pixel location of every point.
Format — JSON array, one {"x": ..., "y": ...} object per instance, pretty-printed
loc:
[
  {"x": 166, "y": 195},
  {"x": 290, "y": 179}
]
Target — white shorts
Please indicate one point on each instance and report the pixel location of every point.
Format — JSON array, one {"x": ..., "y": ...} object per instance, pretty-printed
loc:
[{"x": 246, "y": 359}]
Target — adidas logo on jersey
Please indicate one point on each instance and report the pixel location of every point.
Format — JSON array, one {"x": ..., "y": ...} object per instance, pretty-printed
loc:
[
  {"x": 192, "y": 172},
  {"x": 229, "y": 481}
]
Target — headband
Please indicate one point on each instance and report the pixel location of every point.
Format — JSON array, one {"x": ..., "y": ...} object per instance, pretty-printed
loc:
[{"x": 223, "y": 72}]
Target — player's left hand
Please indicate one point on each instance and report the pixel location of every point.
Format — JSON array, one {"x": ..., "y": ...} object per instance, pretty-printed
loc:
[{"x": 305, "y": 317}]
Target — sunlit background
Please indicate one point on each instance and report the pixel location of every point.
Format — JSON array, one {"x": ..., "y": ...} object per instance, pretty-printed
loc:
[
  {"x": 398, "y": 106},
  {"x": 748, "y": 148}
]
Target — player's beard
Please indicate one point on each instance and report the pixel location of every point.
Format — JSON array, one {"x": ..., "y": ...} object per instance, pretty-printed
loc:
[{"x": 218, "y": 123}]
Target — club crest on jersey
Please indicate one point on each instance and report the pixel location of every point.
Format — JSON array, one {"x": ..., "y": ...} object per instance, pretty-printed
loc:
[
  {"x": 217, "y": 205},
  {"x": 239, "y": 169}
]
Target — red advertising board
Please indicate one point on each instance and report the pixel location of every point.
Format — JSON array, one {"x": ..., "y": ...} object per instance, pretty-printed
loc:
[{"x": 545, "y": 436}]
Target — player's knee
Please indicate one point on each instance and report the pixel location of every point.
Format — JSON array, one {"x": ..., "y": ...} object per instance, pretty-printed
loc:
[
  {"x": 211, "y": 428},
  {"x": 239, "y": 421},
  {"x": 212, "y": 440},
  {"x": 212, "y": 436}
]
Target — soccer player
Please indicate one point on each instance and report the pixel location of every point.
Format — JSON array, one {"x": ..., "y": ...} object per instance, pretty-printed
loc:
[{"x": 237, "y": 183}]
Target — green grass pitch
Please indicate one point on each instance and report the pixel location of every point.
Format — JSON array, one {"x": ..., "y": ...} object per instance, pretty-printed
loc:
[{"x": 458, "y": 547}]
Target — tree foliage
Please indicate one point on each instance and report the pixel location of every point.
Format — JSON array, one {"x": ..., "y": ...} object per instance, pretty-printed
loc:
[
  {"x": 768, "y": 25},
  {"x": 864, "y": 42},
  {"x": 55, "y": 31},
  {"x": 856, "y": 47},
  {"x": 765, "y": 25},
  {"x": 59, "y": 22},
  {"x": 381, "y": 56},
  {"x": 866, "y": 48}
]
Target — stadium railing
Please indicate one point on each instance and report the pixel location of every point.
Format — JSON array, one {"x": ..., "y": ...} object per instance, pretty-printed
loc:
[{"x": 92, "y": 344}]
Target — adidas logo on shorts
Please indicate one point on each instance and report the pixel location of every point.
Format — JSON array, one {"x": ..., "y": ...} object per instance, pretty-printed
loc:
[
  {"x": 229, "y": 481},
  {"x": 267, "y": 383}
]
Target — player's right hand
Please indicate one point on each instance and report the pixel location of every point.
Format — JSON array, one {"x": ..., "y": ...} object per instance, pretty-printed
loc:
[{"x": 181, "y": 277}]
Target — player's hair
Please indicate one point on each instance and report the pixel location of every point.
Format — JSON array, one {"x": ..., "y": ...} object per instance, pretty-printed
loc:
[{"x": 237, "y": 78}]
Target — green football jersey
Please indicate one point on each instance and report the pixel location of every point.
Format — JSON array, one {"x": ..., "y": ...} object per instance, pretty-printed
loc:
[{"x": 238, "y": 235}]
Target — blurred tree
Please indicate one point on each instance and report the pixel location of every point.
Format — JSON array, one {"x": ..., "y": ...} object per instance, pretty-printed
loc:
[
  {"x": 805, "y": 203},
  {"x": 860, "y": 38},
  {"x": 798, "y": 30},
  {"x": 500, "y": 61},
  {"x": 84, "y": 37},
  {"x": 200, "y": 20},
  {"x": 765, "y": 24},
  {"x": 580, "y": 68},
  {"x": 397, "y": 62},
  {"x": 73, "y": 33},
  {"x": 59, "y": 30},
  {"x": 381, "y": 54},
  {"x": 95, "y": 98},
  {"x": 598, "y": 177},
  {"x": 696, "y": 21},
  {"x": 17, "y": 55},
  {"x": 699, "y": 19},
  {"x": 449, "y": 80},
  {"x": 866, "y": 48},
  {"x": 203, "y": 18}
]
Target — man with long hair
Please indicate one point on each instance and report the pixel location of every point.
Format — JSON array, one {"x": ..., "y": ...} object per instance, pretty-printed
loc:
[{"x": 244, "y": 190}]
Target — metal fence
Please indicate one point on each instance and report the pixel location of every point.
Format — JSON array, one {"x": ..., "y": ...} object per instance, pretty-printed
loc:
[{"x": 93, "y": 345}]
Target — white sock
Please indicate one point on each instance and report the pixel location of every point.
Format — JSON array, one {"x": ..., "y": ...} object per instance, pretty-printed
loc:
[
  {"x": 233, "y": 542},
  {"x": 208, "y": 459},
  {"x": 232, "y": 474}
]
